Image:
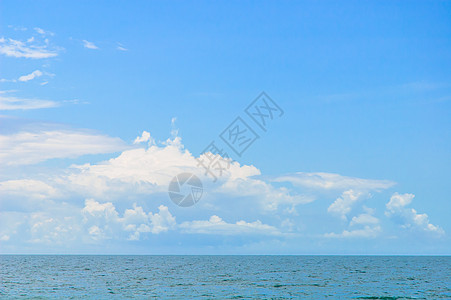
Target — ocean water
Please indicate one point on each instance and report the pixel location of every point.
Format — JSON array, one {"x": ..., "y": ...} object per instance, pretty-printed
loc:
[{"x": 230, "y": 277}]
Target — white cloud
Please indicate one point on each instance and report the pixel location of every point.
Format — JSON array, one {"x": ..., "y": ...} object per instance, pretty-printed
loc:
[
  {"x": 366, "y": 232},
  {"x": 120, "y": 47},
  {"x": 27, "y": 188},
  {"x": 142, "y": 170},
  {"x": 14, "y": 103},
  {"x": 370, "y": 227},
  {"x": 241, "y": 184},
  {"x": 343, "y": 205},
  {"x": 43, "y": 32},
  {"x": 150, "y": 170},
  {"x": 103, "y": 221},
  {"x": 397, "y": 202},
  {"x": 321, "y": 180},
  {"x": 18, "y": 28},
  {"x": 45, "y": 229},
  {"x": 7, "y": 80},
  {"x": 33, "y": 147},
  {"x": 162, "y": 221},
  {"x": 364, "y": 219},
  {"x": 145, "y": 137},
  {"x": 147, "y": 170},
  {"x": 89, "y": 45},
  {"x": 139, "y": 171},
  {"x": 215, "y": 225},
  {"x": 28, "y": 49},
  {"x": 396, "y": 207},
  {"x": 30, "y": 76}
]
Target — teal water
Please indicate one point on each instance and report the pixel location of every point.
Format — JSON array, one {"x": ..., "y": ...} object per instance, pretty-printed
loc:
[{"x": 231, "y": 277}]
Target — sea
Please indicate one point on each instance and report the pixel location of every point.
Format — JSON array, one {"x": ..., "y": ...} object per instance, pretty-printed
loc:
[{"x": 224, "y": 277}]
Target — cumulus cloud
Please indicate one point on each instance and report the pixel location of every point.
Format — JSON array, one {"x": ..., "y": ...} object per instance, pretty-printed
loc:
[
  {"x": 352, "y": 189},
  {"x": 33, "y": 147},
  {"x": 30, "y": 76},
  {"x": 343, "y": 205},
  {"x": 368, "y": 223},
  {"x": 364, "y": 219},
  {"x": 95, "y": 222},
  {"x": 397, "y": 207},
  {"x": 145, "y": 137},
  {"x": 216, "y": 225},
  {"x": 366, "y": 232},
  {"x": 149, "y": 170},
  {"x": 330, "y": 181},
  {"x": 143, "y": 170},
  {"x": 103, "y": 221},
  {"x": 52, "y": 230},
  {"x": 98, "y": 221},
  {"x": 89, "y": 45},
  {"x": 27, "y": 49},
  {"x": 136, "y": 171},
  {"x": 241, "y": 183}
]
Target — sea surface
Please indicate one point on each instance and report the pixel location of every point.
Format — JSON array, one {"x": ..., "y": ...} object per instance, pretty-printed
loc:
[{"x": 225, "y": 277}]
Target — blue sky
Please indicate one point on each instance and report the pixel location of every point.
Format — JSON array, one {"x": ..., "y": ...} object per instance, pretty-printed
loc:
[{"x": 357, "y": 164}]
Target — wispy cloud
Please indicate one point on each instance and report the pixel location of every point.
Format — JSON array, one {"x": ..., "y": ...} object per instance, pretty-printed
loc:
[
  {"x": 30, "y": 76},
  {"x": 27, "y": 49},
  {"x": 7, "y": 80},
  {"x": 89, "y": 45},
  {"x": 27, "y": 188},
  {"x": 27, "y": 77},
  {"x": 15, "y": 103},
  {"x": 32, "y": 147},
  {"x": 18, "y": 28},
  {"x": 331, "y": 181},
  {"x": 43, "y": 32},
  {"x": 120, "y": 47}
]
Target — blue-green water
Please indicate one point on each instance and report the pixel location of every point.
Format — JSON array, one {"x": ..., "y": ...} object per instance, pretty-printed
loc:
[{"x": 231, "y": 277}]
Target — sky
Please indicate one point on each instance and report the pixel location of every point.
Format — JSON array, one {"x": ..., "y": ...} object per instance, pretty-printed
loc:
[{"x": 330, "y": 122}]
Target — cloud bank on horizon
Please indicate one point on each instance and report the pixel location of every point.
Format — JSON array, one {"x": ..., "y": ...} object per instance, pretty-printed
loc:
[{"x": 79, "y": 204}]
